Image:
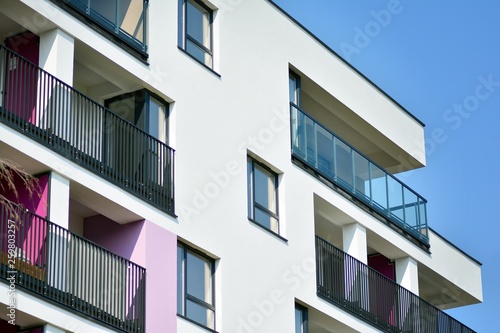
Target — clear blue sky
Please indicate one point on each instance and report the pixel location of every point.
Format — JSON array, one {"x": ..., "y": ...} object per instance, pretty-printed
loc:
[{"x": 441, "y": 61}]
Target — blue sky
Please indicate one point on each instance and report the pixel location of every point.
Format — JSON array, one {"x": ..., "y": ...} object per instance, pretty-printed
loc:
[{"x": 441, "y": 61}]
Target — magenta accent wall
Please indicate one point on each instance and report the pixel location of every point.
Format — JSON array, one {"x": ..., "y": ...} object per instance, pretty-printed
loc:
[
  {"x": 5, "y": 327},
  {"x": 381, "y": 264},
  {"x": 21, "y": 79},
  {"x": 151, "y": 247},
  {"x": 36, "y": 203}
]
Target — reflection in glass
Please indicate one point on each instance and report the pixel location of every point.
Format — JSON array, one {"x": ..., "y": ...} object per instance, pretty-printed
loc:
[
  {"x": 327, "y": 155},
  {"x": 262, "y": 196}
]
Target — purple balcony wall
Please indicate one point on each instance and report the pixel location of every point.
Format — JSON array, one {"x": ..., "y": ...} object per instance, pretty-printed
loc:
[
  {"x": 152, "y": 247},
  {"x": 31, "y": 242},
  {"x": 38, "y": 202}
]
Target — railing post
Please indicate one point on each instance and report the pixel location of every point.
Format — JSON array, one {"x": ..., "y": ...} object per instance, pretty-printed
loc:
[{"x": 2, "y": 75}]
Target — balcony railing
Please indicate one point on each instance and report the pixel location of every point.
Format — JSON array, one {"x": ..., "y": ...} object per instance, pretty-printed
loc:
[
  {"x": 54, "y": 114},
  {"x": 53, "y": 263},
  {"x": 364, "y": 292},
  {"x": 338, "y": 162},
  {"x": 124, "y": 19}
]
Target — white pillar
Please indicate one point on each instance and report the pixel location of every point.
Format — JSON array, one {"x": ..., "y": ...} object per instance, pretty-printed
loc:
[
  {"x": 407, "y": 274},
  {"x": 354, "y": 241},
  {"x": 57, "y": 54},
  {"x": 54, "y": 99},
  {"x": 59, "y": 200}
]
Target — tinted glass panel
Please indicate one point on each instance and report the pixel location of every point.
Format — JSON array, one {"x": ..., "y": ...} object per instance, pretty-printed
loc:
[
  {"x": 124, "y": 107},
  {"x": 266, "y": 220},
  {"x": 130, "y": 17},
  {"x": 199, "y": 278},
  {"x": 325, "y": 151},
  {"x": 198, "y": 53},
  {"x": 298, "y": 133},
  {"x": 200, "y": 314},
  {"x": 379, "y": 187},
  {"x": 265, "y": 188},
  {"x": 361, "y": 175},
  {"x": 395, "y": 194},
  {"x": 106, "y": 9},
  {"x": 180, "y": 279},
  {"x": 198, "y": 24},
  {"x": 344, "y": 163},
  {"x": 157, "y": 120}
]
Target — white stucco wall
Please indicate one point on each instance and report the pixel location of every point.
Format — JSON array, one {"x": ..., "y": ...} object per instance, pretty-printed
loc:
[{"x": 215, "y": 122}]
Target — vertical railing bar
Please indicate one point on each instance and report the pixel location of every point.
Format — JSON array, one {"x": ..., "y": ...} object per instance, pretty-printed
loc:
[{"x": 408, "y": 308}]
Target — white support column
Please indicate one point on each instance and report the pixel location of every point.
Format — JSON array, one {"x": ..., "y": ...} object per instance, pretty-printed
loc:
[
  {"x": 407, "y": 274},
  {"x": 354, "y": 241},
  {"x": 57, "y": 54},
  {"x": 57, "y": 245},
  {"x": 54, "y": 99},
  {"x": 59, "y": 200},
  {"x": 52, "y": 329}
]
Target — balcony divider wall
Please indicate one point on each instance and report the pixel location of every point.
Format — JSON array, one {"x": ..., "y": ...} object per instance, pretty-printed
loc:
[
  {"x": 352, "y": 285},
  {"x": 55, "y": 264},
  {"x": 54, "y": 114},
  {"x": 335, "y": 160}
]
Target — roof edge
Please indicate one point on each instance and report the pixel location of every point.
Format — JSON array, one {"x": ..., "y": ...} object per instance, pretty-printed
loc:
[
  {"x": 456, "y": 247},
  {"x": 344, "y": 61}
]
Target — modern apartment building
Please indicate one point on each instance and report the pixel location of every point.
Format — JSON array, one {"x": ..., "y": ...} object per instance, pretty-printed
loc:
[{"x": 202, "y": 170}]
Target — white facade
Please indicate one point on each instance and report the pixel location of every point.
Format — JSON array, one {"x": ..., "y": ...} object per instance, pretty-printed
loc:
[{"x": 219, "y": 118}]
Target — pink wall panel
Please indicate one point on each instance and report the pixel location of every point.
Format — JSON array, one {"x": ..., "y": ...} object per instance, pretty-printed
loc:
[
  {"x": 38, "y": 202},
  {"x": 382, "y": 265},
  {"x": 21, "y": 78},
  {"x": 161, "y": 285},
  {"x": 151, "y": 247}
]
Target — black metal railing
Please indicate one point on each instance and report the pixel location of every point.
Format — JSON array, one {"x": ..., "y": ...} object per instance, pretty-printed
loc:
[
  {"x": 54, "y": 263},
  {"x": 364, "y": 292},
  {"x": 54, "y": 114},
  {"x": 124, "y": 19},
  {"x": 333, "y": 158}
]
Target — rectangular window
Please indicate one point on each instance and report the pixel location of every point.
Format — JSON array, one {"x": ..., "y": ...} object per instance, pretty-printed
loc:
[
  {"x": 196, "y": 20},
  {"x": 301, "y": 320},
  {"x": 195, "y": 286},
  {"x": 262, "y": 195},
  {"x": 294, "y": 89}
]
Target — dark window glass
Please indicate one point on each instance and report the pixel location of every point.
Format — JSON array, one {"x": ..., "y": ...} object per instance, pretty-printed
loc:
[
  {"x": 197, "y": 30},
  {"x": 301, "y": 324},
  {"x": 262, "y": 196},
  {"x": 195, "y": 291}
]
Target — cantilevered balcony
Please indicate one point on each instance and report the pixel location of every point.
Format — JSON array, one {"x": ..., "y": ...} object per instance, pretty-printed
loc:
[
  {"x": 55, "y": 115},
  {"x": 123, "y": 20},
  {"x": 55, "y": 264},
  {"x": 367, "y": 294},
  {"x": 333, "y": 159}
]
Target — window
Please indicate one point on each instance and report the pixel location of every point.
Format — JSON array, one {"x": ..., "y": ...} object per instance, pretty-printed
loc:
[
  {"x": 144, "y": 110},
  {"x": 196, "y": 21},
  {"x": 294, "y": 85},
  {"x": 195, "y": 286},
  {"x": 262, "y": 196},
  {"x": 301, "y": 320}
]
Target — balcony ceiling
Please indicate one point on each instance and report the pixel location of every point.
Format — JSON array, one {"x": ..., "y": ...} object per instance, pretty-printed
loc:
[{"x": 8, "y": 27}]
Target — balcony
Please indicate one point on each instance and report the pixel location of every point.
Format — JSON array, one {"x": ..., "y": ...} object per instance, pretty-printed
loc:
[
  {"x": 122, "y": 20},
  {"x": 55, "y": 264},
  {"x": 333, "y": 159},
  {"x": 55, "y": 115},
  {"x": 348, "y": 283}
]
